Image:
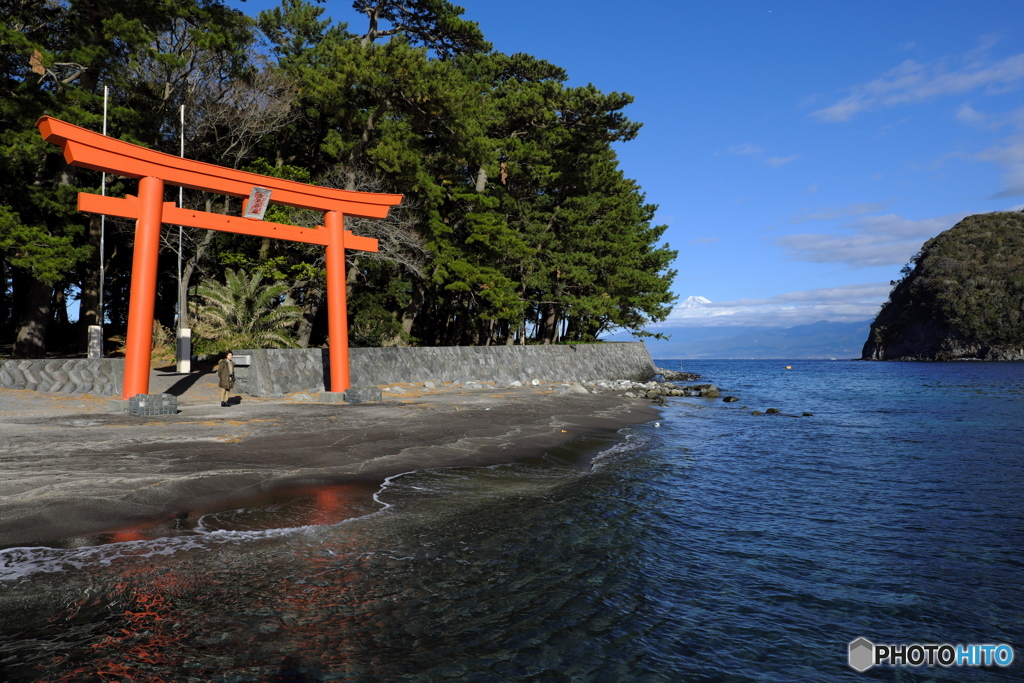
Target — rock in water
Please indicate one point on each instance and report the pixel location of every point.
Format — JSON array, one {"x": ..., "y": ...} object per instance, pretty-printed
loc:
[
  {"x": 703, "y": 390},
  {"x": 960, "y": 297}
]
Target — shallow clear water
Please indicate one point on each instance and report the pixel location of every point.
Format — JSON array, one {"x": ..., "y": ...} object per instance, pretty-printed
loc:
[{"x": 715, "y": 546}]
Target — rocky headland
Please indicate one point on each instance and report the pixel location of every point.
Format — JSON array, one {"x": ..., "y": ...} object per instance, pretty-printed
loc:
[{"x": 960, "y": 298}]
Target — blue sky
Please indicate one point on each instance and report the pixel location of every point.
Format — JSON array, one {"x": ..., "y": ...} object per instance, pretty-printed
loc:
[{"x": 800, "y": 152}]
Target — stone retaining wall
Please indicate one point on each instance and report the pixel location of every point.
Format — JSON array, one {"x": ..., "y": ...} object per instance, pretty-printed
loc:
[
  {"x": 96, "y": 376},
  {"x": 273, "y": 372},
  {"x": 282, "y": 371}
]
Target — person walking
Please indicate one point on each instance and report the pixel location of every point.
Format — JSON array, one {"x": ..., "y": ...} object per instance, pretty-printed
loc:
[{"x": 226, "y": 377}]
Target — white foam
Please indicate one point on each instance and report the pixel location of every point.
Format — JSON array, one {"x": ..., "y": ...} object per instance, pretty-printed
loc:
[
  {"x": 633, "y": 442},
  {"x": 23, "y": 562}
]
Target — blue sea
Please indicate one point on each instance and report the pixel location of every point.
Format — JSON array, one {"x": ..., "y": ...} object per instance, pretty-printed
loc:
[{"x": 711, "y": 545}]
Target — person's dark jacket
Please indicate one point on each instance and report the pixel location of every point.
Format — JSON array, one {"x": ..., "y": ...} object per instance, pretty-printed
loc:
[{"x": 226, "y": 374}]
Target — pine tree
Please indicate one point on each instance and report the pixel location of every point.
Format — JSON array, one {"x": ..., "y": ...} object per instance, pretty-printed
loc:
[{"x": 55, "y": 58}]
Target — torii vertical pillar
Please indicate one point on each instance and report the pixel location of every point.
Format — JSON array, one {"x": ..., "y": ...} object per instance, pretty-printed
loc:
[
  {"x": 143, "y": 290},
  {"x": 337, "y": 304}
]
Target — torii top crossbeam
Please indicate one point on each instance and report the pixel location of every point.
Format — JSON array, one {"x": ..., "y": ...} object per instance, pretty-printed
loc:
[{"x": 153, "y": 169}]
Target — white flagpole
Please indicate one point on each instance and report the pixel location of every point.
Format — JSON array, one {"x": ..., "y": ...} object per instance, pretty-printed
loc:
[
  {"x": 181, "y": 205},
  {"x": 103, "y": 218},
  {"x": 95, "y": 332},
  {"x": 184, "y": 334}
]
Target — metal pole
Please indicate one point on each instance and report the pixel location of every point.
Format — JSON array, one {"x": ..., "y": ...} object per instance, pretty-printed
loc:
[
  {"x": 184, "y": 345},
  {"x": 103, "y": 218},
  {"x": 181, "y": 205},
  {"x": 95, "y": 349}
]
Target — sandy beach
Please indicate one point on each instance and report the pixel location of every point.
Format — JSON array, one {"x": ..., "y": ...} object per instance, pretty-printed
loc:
[{"x": 73, "y": 468}]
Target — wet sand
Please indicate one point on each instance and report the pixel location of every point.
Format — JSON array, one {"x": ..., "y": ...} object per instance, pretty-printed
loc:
[{"x": 70, "y": 467}]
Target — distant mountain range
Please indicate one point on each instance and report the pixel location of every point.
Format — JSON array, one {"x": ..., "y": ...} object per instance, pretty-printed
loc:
[{"x": 822, "y": 339}]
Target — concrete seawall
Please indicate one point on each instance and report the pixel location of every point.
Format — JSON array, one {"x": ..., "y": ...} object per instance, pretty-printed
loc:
[
  {"x": 280, "y": 371},
  {"x": 273, "y": 372},
  {"x": 95, "y": 376}
]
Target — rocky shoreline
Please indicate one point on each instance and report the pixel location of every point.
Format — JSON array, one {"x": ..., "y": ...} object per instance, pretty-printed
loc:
[{"x": 663, "y": 384}]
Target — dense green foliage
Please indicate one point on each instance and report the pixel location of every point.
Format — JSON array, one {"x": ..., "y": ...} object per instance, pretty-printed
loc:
[
  {"x": 962, "y": 296},
  {"x": 243, "y": 313},
  {"x": 517, "y": 224}
]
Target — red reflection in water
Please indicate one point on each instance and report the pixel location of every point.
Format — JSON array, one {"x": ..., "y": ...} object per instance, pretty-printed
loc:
[
  {"x": 142, "y": 645},
  {"x": 310, "y": 506},
  {"x": 331, "y": 505},
  {"x": 306, "y": 506},
  {"x": 153, "y": 635}
]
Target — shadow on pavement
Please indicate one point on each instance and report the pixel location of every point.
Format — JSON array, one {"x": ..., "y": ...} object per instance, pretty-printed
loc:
[{"x": 186, "y": 383}]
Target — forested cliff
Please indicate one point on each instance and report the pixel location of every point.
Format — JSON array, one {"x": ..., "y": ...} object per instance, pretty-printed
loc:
[
  {"x": 961, "y": 297},
  {"x": 517, "y": 225}
]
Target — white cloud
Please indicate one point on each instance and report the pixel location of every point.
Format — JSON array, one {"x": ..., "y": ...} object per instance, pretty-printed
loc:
[
  {"x": 756, "y": 151},
  {"x": 780, "y": 161},
  {"x": 849, "y": 303},
  {"x": 969, "y": 115},
  {"x": 1009, "y": 153},
  {"x": 912, "y": 82},
  {"x": 745, "y": 150},
  {"x": 832, "y": 213},
  {"x": 868, "y": 241}
]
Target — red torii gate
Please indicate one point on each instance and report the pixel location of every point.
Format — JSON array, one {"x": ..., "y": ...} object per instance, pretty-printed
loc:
[{"x": 91, "y": 150}]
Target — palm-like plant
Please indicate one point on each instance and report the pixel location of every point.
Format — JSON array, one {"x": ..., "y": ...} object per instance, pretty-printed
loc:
[{"x": 244, "y": 313}]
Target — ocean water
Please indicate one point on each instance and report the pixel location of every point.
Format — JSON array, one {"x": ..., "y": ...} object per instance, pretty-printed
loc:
[{"x": 712, "y": 545}]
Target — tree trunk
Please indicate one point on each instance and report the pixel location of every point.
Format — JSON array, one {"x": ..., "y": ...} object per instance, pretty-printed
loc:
[
  {"x": 549, "y": 324},
  {"x": 89, "y": 300},
  {"x": 6, "y": 314},
  {"x": 454, "y": 325},
  {"x": 61, "y": 328},
  {"x": 372, "y": 31},
  {"x": 310, "y": 307},
  {"x": 31, "y": 338},
  {"x": 412, "y": 310},
  {"x": 187, "y": 270},
  {"x": 355, "y": 156}
]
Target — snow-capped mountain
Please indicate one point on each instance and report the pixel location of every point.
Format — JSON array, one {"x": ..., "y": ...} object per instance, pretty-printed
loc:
[
  {"x": 697, "y": 307},
  {"x": 693, "y": 302}
]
